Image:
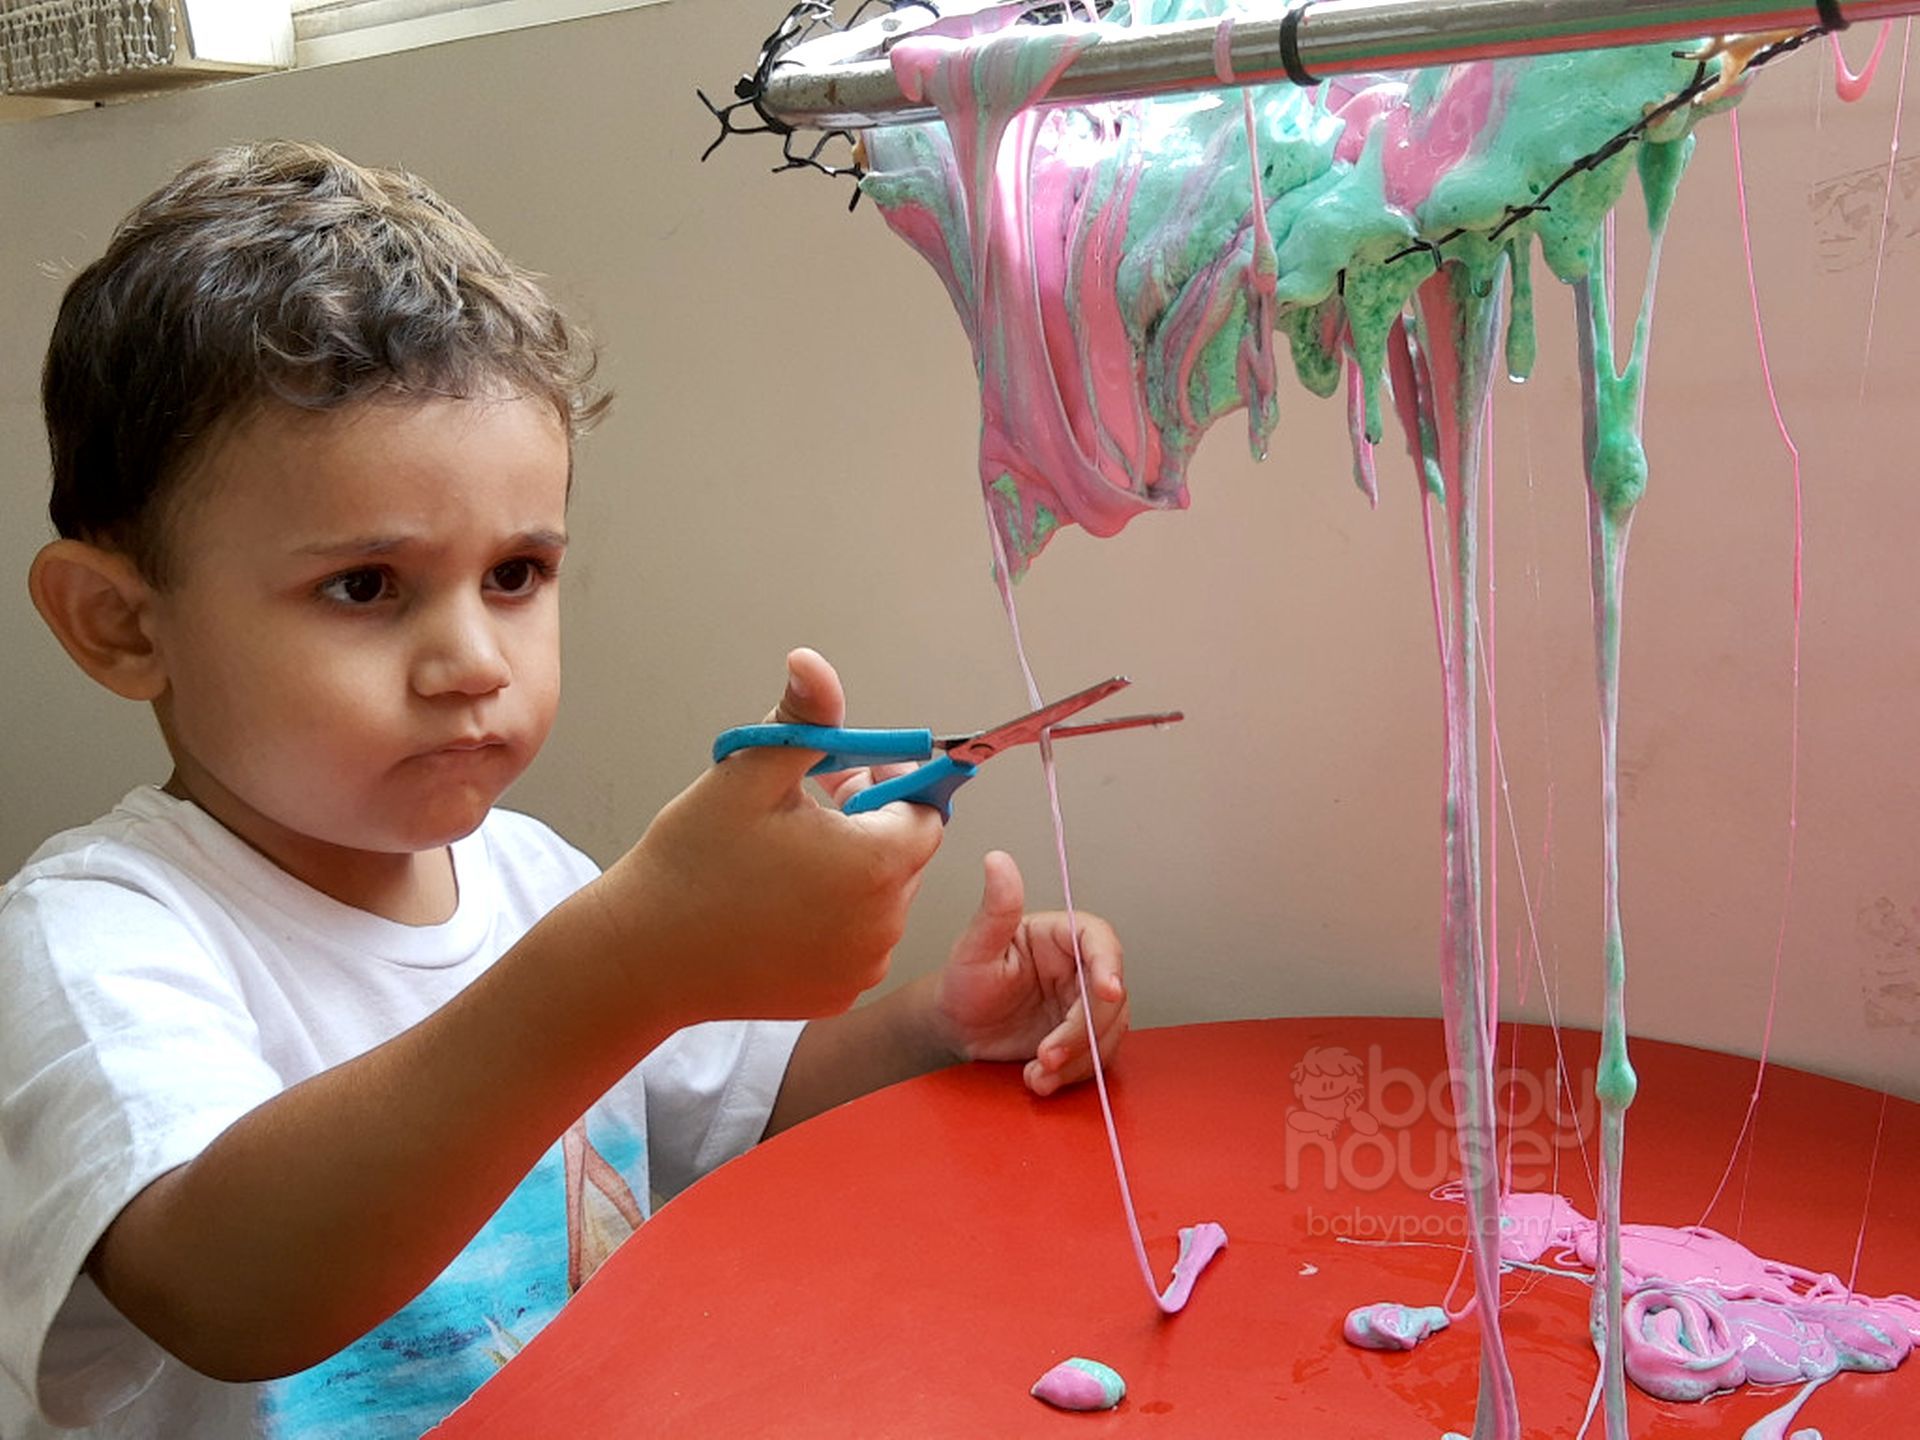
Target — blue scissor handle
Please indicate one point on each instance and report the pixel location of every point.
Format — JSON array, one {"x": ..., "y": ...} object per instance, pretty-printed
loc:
[
  {"x": 844, "y": 748},
  {"x": 932, "y": 784}
]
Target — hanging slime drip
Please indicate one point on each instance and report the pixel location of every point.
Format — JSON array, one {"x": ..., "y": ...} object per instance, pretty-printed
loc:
[{"x": 1108, "y": 261}]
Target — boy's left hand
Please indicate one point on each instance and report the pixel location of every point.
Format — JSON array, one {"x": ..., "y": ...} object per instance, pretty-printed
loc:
[{"x": 1008, "y": 990}]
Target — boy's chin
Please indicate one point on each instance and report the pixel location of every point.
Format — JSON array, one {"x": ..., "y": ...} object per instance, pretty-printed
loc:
[
  {"x": 440, "y": 832},
  {"x": 436, "y": 825}
]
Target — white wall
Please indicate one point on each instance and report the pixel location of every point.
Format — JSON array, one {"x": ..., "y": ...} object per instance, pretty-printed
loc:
[{"x": 791, "y": 460}]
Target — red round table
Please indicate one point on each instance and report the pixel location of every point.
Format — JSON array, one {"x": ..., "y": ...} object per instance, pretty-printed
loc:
[{"x": 909, "y": 1264}]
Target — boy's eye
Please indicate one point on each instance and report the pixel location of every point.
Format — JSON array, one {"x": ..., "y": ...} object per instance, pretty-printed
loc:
[
  {"x": 356, "y": 587},
  {"x": 519, "y": 576}
]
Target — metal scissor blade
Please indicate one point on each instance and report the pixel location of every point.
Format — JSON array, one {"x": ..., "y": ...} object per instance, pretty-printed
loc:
[
  {"x": 1119, "y": 722},
  {"x": 971, "y": 750}
]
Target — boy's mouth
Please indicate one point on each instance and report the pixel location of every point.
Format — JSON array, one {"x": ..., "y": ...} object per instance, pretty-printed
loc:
[{"x": 467, "y": 743}]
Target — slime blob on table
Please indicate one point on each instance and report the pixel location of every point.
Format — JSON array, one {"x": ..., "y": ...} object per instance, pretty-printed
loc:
[
  {"x": 1388, "y": 1326},
  {"x": 1122, "y": 269},
  {"x": 1081, "y": 1384}
]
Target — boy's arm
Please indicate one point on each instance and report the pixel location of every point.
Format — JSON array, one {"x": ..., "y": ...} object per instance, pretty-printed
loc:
[
  {"x": 846, "y": 1056},
  {"x": 316, "y": 1215},
  {"x": 1008, "y": 992},
  {"x": 319, "y": 1213}
]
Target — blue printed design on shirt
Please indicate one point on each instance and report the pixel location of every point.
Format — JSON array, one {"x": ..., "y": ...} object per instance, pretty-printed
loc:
[{"x": 408, "y": 1374}]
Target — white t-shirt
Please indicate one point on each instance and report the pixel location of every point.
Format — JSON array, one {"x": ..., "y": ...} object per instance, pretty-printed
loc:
[{"x": 158, "y": 979}]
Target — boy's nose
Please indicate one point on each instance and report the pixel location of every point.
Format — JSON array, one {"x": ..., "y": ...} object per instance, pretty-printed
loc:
[{"x": 462, "y": 654}]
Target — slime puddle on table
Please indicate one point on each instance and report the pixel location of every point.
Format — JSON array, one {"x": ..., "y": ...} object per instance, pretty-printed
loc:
[{"x": 1703, "y": 1313}]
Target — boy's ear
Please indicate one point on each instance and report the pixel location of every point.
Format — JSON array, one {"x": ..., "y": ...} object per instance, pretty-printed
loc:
[{"x": 95, "y": 602}]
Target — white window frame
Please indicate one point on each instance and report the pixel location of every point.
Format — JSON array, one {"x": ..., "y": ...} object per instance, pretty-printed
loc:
[{"x": 329, "y": 31}]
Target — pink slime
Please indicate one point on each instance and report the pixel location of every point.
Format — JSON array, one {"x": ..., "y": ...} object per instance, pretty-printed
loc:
[{"x": 1705, "y": 1314}]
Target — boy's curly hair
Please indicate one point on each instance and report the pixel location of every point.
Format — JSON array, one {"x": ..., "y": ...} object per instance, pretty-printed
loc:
[{"x": 278, "y": 271}]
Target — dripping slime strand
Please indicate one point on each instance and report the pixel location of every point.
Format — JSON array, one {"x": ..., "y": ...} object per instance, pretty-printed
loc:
[
  {"x": 984, "y": 82},
  {"x": 1866, "y": 1200},
  {"x": 1198, "y": 1243},
  {"x": 1616, "y": 469},
  {"x": 1886, "y": 199},
  {"x": 1488, "y": 670},
  {"x": 1793, "y": 743},
  {"x": 1530, "y": 908},
  {"x": 1453, "y": 355}
]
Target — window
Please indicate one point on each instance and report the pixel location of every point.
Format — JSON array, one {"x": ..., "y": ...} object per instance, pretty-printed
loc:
[
  {"x": 58, "y": 54},
  {"x": 326, "y": 31}
]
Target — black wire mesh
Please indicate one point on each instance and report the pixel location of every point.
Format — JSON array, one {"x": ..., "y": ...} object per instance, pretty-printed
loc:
[{"x": 815, "y": 17}]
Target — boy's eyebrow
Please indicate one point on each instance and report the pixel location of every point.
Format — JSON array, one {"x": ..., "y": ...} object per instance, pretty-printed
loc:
[
  {"x": 373, "y": 546},
  {"x": 538, "y": 540}
]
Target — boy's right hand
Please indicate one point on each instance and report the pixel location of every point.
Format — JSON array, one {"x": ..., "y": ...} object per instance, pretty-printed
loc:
[{"x": 748, "y": 898}]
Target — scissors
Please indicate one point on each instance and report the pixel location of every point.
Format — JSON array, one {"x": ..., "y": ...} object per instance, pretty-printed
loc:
[{"x": 960, "y": 758}]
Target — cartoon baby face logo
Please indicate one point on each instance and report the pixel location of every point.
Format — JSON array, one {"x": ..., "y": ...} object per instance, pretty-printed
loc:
[{"x": 1330, "y": 1083}]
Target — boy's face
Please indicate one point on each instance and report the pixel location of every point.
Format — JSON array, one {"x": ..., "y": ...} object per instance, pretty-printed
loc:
[{"x": 363, "y": 648}]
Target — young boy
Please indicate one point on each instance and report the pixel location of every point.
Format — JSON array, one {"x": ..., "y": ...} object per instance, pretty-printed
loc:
[{"x": 313, "y": 1064}]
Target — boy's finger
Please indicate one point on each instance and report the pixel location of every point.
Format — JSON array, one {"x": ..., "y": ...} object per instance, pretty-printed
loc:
[
  {"x": 912, "y": 832},
  {"x": 837, "y": 785},
  {"x": 1066, "y": 1044},
  {"x": 1105, "y": 962},
  {"x": 841, "y": 786},
  {"x": 1105, "y": 983},
  {"x": 1062, "y": 1058}
]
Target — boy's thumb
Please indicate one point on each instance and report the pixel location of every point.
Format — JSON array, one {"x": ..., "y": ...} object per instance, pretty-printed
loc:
[
  {"x": 812, "y": 697},
  {"x": 1003, "y": 902}
]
